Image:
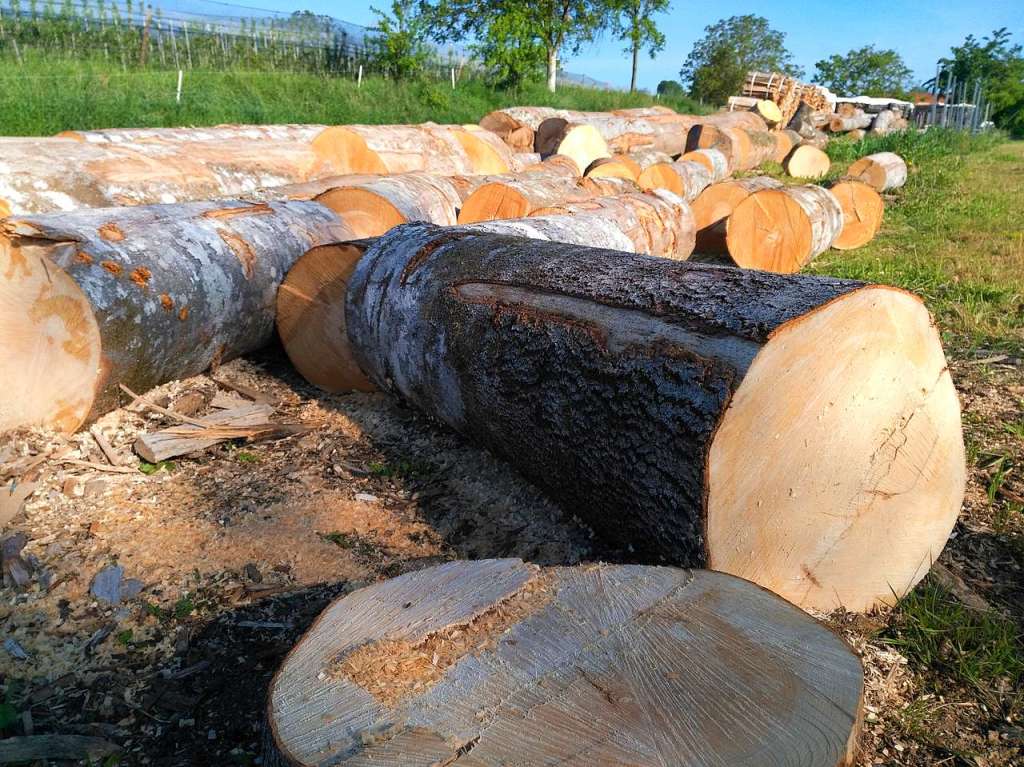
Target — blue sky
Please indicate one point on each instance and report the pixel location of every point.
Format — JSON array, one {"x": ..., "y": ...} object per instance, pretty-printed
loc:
[{"x": 920, "y": 31}]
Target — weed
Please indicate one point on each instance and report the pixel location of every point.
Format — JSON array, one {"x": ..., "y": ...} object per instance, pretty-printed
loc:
[
  {"x": 243, "y": 456},
  {"x": 152, "y": 468}
]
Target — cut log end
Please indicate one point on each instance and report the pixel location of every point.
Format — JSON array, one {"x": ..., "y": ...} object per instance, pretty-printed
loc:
[
  {"x": 862, "y": 213},
  {"x": 311, "y": 318},
  {"x": 352, "y": 153},
  {"x": 807, "y": 161},
  {"x": 441, "y": 665},
  {"x": 660, "y": 176},
  {"x": 771, "y": 232},
  {"x": 581, "y": 142},
  {"x": 484, "y": 159},
  {"x": 613, "y": 167},
  {"x": 494, "y": 201},
  {"x": 881, "y": 447},
  {"x": 52, "y": 355},
  {"x": 367, "y": 213}
]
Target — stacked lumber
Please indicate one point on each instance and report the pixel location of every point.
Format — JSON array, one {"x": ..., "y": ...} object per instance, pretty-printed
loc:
[
  {"x": 140, "y": 296},
  {"x": 787, "y": 93},
  {"x": 438, "y": 666},
  {"x": 458, "y": 322}
]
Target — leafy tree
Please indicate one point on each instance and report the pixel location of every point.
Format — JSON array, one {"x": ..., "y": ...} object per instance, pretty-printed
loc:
[
  {"x": 555, "y": 26},
  {"x": 670, "y": 89},
  {"x": 633, "y": 22},
  {"x": 866, "y": 71},
  {"x": 401, "y": 40},
  {"x": 999, "y": 65},
  {"x": 719, "y": 62},
  {"x": 510, "y": 55}
]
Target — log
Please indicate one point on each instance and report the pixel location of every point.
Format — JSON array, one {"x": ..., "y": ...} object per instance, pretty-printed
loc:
[
  {"x": 613, "y": 167},
  {"x": 715, "y": 204},
  {"x": 496, "y": 662},
  {"x": 712, "y": 159},
  {"x": 659, "y": 223},
  {"x": 371, "y": 208},
  {"x": 645, "y": 396},
  {"x": 556, "y": 163},
  {"x": 856, "y": 135},
  {"x": 517, "y": 198},
  {"x": 745, "y": 149},
  {"x": 513, "y": 132},
  {"x": 131, "y": 136},
  {"x": 581, "y": 142},
  {"x": 523, "y": 160},
  {"x": 683, "y": 177},
  {"x": 784, "y": 144},
  {"x": 807, "y": 161},
  {"x": 839, "y": 123},
  {"x": 768, "y": 111},
  {"x": 884, "y": 170},
  {"x": 431, "y": 148},
  {"x": 646, "y": 157},
  {"x": 311, "y": 301},
  {"x": 95, "y": 298},
  {"x": 781, "y": 230},
  {"x": 862, "y": 213}
]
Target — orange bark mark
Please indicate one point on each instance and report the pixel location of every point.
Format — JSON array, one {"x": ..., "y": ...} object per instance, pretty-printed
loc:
[
  {"x": 111, "y": 232},
  {"x": 83, "y": 258},
  {"x": 16, "y": 261},
  {"x": 68, "y": 416},
  {"x": 112, "y": 267},
  {"x": 183, "y": 314},
  {"x": 71, "y": 313},
  {"x": 141, "y": 277},
  {"x": 168, "y": 304},
  {"x": 258, "y": 209},
  {"x": 242, "y": 251}
]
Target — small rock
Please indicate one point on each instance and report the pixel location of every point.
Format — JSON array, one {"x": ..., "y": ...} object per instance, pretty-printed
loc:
[
  {"x": 367, "y": 498},
  {"x": 108, "y": 587},
  {"x": 73, "y": 487},
  {"x": 15, "y": 650},
  {"x": 95, "y": 487},
  {"x": 252, "y": 573}
]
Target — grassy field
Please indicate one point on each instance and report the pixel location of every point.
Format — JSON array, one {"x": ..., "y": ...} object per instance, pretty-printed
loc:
[{"x": 43, "y": 100}]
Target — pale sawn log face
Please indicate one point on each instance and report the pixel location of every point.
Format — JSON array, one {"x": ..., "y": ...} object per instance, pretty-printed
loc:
[
  {"x": 613, "y": 665},
  {"x": 601, "y": 376},
  {"x": 175, "y": 288}
]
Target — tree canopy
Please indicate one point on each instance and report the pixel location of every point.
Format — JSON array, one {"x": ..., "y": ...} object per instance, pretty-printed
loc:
[
  {"x": 865, "y": 71},
  {"x": 999, "y": 65},
  {"x": 720, "y": 60},
  {"x": 633, "y": 22},
  {"x": 401, "y": 39}
]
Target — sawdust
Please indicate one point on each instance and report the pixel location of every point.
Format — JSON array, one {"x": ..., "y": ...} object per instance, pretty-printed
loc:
[{"x": 393, "y": 670}]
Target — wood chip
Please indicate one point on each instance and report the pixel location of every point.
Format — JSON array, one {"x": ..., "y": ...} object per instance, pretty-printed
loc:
[
  {"x": 30, "y": 748},
  {"x": 12, "y": 500}
]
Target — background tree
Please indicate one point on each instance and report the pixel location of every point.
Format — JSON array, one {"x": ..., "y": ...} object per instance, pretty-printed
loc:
[
  {"x": 556, "y": 25},
  {"x": 670, "y": 89},
  {"x": 866, "y": 71},
  {"x": 401, "y": 40},
  {"x": 634, "y": 23},
  {"x": 511, "y": 56},
  {"x": 999, "y": 64},
  {"x": 720, "y": 60}
]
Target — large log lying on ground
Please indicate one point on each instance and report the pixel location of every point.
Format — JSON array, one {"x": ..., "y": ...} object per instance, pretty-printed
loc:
[
  {"x": 806, "y": 161},
  {"x": 884, "y": 170},
  {"x": 744, "y": 148},
  {"x": 129, "y": 136},
  {"x": 839, "y": 123},
  {"x": 683, "y": 177},
  {"x": 862, "y": 213},
  {"x": 371, "y": 208},
  {"x": 685, "y": 409},
  {"x": 495, "y": 662},
  {"x": 712, "y": 159},
  {"x": 782, "y": 230},
  {"x": 715, "y": 204},
  {"x": 579, "y": 141},
  {"x": 139, "y": 296},
  {"x": 519, "y": 197},
  {"x": 619, "y": 166}
]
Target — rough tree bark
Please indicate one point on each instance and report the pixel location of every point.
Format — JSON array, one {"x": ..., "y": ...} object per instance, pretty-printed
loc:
[
  {"x": 712, "y": 159},
  {"x": 609, "y": 664},
  {"x": 649, "y": 396},
  {"x": 140, "y": 296},
  {"x": 745, "y": 149}
]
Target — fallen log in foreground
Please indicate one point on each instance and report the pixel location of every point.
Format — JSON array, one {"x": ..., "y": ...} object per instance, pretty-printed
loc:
[
  {"x": 311, "y": 300},
  {"x": 139, "y": 296},
  {"x": 712, "y": 416},
  {"x": 609, "y": 665}
]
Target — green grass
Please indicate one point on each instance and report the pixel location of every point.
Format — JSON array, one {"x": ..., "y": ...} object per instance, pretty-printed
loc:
[
  {"x": 954, "y": 234},
  {"x": 46, "y": 98}
]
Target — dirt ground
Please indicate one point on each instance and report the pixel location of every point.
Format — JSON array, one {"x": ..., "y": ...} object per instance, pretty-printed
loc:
[{"x": 238, "y": 549}]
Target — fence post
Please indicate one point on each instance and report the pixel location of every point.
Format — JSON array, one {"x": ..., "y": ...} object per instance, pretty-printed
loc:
[
  {"x": 359, "y": 83},
  {"x": 177, "y": 98},
  {"x": 453, "y": 78}
]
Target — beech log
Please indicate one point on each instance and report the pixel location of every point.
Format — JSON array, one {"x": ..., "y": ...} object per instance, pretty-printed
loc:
[
  {"x": 371, "y": 208},
  {"x": 712, "y": 159},
  {"x": 784, "y": 144},
  {"x": 683, "y": 177},
  {"x": 807, "y": 161},
  {"x": 519, "y": 197},
  {"x": 581, "y": 142},
  {"x": 745, "y": 149},
  {"x": 781, "y": 230},
  {"x": 646, "y": 157},
  {"x": 715, "y": 204},
  {"x": 495, "y": 662},
  {"x": 712, "y": 416},
  {"x": 884, "y": 170},
  {"x": 619, "y": 166},
  {"x": 862, "y": 213},
  {"x": 510, "y": 130},
  {"x": 130, "y": 136},
  {"x": 140, "y": 296}
]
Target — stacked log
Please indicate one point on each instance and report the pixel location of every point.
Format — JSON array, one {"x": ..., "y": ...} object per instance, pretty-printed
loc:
[
  {"x": 597, "y": 651},
  {"x": 712, "y": 159},
  {"x": 645, "y": 157},
  {"x": 884, "y": 170},
  {"x": 132, "y": 136},
  {"x": 840, "y": 123},
  {"x": 372, "y": 207},
  {"x": 745, "y": 149},
  {"x": 683, "y": 177},
  {"x": 713, "y": 206},
  {"x": 807, "y": 161},
  {"x": 579, "y": 141},
  {"x": 782, "y": 230},
  {"x": 619, "y": 166},
  {"x": 517, "y": 134},
  {"x": 139, "y": 296},
  {"x": 644, "y": 395},
  {"x": 517, "y": 198},
  {"x": 862, "y": 208}
]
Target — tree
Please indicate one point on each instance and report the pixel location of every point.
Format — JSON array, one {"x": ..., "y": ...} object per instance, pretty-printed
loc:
[
  {"x": 999, "y": 65},
  {"x": 401, "y": 42},
  {"x": 719, "y": 62},
  {"x": 633, "y": 22},
  {"x": 866, "y": 71},
  {"x": 510, "y": 55},
  {"x": 670, "y": 89},
  {"x": 554, "y": 25}
]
